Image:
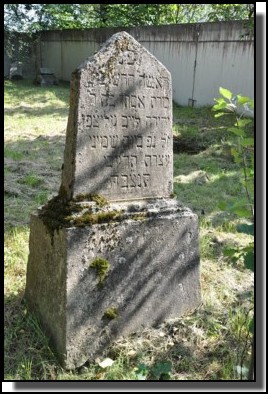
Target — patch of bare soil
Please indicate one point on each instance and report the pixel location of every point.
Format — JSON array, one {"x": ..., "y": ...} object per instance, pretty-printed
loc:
[{"x": 186, "y": 145}]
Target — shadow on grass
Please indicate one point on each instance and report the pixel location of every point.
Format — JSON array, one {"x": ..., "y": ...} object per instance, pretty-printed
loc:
[
  {"x": 24, "y": 90},
  {"x": 204, "y": 181},
  {"x": 32, "y": 175},
  {"x": 41, "y": 148},
  {"x": 206, "y": 346},
  {"x": 214, "y": 357},
  {"x": 50, "y": 110}
]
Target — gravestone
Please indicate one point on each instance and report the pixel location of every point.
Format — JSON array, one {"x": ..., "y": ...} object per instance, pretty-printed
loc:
[
  {"x": 113, "y": 252},
  {"x": 46, "y": 77},
  {"x": 119, "y": 132},
  {"x": 15, "y": 71}
]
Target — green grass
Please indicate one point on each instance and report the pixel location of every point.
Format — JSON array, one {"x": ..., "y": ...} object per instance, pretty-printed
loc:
[
  {"x": 31, "y": 180},
  {"x": 206, "y": 345},
  {"x": 196, "y": 129},
  {"x": 14, "y": 155}
]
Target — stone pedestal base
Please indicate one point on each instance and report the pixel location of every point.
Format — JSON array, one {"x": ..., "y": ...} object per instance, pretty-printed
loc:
[{"x": 89, "y": 285}]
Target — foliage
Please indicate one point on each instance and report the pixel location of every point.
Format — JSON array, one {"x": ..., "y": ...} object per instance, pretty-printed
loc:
[
  {"x": 223, "y": 12},
  {"x": 17, "y": 17},
  {"x": 35, "y": 17},
  {"x": 102, "y": 266},
  {"x": 243, "y": 150},
  {"x": 19, "y": 46},
  {"x": 159, "y": 371},
  {"x": 243, "y": 153}
]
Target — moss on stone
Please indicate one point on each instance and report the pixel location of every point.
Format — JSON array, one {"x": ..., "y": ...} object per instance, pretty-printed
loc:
[
  {"x": 56, "y": 213},
  {"x": 62, "y": 192},
  {"x": 111, "y": 313},
  {"x": 95, "y": 218},
  {"x": 122, "y": 45},
  {"x": 102, "y": 266},
  {"x": 97, "y": 198},
  {"x": 140, "y": 216},
  {"x": 60, "y": 213}
]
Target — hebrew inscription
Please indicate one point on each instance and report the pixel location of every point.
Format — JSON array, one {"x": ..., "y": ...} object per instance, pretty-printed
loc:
[{"x": 119, "y": 134}]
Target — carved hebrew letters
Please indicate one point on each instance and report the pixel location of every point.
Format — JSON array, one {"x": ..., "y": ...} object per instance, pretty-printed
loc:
[{"x": 124, "y": 136}]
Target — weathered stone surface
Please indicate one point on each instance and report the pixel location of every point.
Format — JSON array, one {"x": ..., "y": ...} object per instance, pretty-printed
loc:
[
  {"x": 46, "y": 78},
  {"x": 119, "y": 134},
  {"x": 153, "y": 275}
]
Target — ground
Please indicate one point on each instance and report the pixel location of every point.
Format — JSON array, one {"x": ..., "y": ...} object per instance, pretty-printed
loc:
[{"x": 213, "y": 343}]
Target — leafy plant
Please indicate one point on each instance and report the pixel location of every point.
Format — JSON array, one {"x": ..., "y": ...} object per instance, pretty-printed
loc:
[
  {"x": 36, "y": 17},
  {"x": 31, "y": 180},
  {"x": 141, "y": 371},
  {"x": 243, "y": 153},
  {"x": 159, "y": 371}
]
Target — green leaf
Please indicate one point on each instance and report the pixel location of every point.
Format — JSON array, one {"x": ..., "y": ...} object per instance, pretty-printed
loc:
[
  {"x": 225, "y": 93},
  {"x": 141, "y": 372},
  {"x": 243, "y": 99},
  {"x": 142, "y": 368},
  {"x": 236, "y": 155},
  {"x": 243, "y": 122},
  {"x": 216, "y": 107},
  {"x": 237, "y": 131},
  {"x": 245, "y": 228},
  {"x": 247, "y": 142},
  {"x": 249, "y": 261},
  {"x": 220, "y": 114},
  {"x": 161, "y": 368},
  {"x": 220, "y": 100},
  {"x": 229, "y": 252},
  {"x": 251, "y": 103}
]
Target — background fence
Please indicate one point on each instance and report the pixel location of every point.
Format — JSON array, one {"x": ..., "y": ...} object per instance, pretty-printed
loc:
[{"x": 201, "y": 57}]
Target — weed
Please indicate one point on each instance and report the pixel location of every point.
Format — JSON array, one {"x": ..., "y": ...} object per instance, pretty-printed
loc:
[
  {"x": 42, "y": 197},
  {"x": 196, "y": 129},
  {"x": 13, "y": 154},
  {"x": 111, "y": 313},
  {"x": 102, "y": 266},
  {"x": 31, "y": 180}
]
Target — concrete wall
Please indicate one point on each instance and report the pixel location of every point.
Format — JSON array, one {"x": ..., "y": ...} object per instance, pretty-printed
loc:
[
  {"x": 200, "y": 57},
  {"x": 6, "y": 64}
]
